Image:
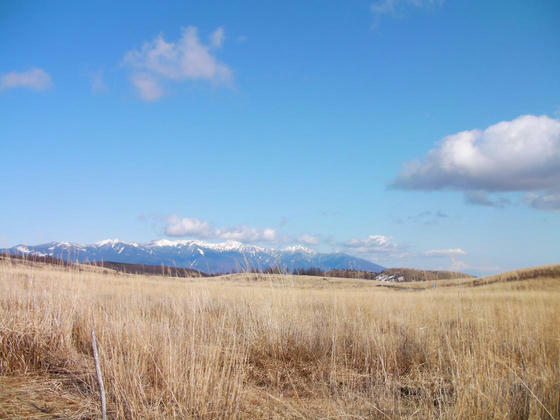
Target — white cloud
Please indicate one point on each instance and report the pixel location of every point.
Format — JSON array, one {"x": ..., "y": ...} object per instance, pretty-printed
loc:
[
  {"x": 36, "y": 79},
  {"x": 160, "y": 61},
  {"x": 518, "y": 155},
  {"x": 381, "y": 247},
  {"x": 371, "y": 240},
  {"x": 246, "y": 234},
  {"x": 177, "y": 226},
  {"x": 373, "y": 244},
  {"x": 217, "y": 37},
  {"x": 188, "y": 226},
  {"x": 148, "y": 87}
]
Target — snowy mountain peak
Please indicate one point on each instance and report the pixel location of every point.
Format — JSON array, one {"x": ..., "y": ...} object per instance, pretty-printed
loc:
[
  {"x": 231, "y": 245},
  {"x": 22, "y": 249},
  {"x": 208, "y": 257},
  {"x": 107, "y": 242},
  {"x": 300, "y": 248},
  {"x": 113, "y": 242},
  {"x": 65, "y": 244},
  {"x": 167, "y": 242}
]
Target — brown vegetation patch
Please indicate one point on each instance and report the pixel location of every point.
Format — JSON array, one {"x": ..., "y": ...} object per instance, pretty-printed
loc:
[
  {"x": 277, "y": 347},
  {"x": 35, "y": 397}
]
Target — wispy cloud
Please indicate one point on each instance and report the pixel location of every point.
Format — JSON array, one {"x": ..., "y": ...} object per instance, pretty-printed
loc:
[
  {"x": 518, "y": 155},
  {"x": 373, "y": 245},
  {"x": 35, "y": 79},
  {"x": 444, "y": 252},
  {"x": 427, "y": 218},
  {"x": 159, "y": 61},
  {"x": 217, "y": 37},
  {"x": 97, "y": 81},
  {"x": 400, "y": 8},
  {"x": 381, "y": 244},
  {"x": 452, "y": 253},
  {"x": 480, "y": 198},
  {"x": 196, "y": 228},
  {"x": 384, "y": 248},
  {"x": 308, "y": 239},
  {"x": 547, "y": 201},
  {"x": 148, "y": 86}
]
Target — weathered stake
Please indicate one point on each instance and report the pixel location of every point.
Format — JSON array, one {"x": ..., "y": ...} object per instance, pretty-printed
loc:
[{"x": 99, "y": 377}]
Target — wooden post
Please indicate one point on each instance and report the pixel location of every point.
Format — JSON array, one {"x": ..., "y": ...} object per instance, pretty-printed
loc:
[{"x": 99, "y": 377}]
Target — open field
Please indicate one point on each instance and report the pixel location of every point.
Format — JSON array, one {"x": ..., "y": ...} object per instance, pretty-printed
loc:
[{"x": 273, "y": 346}]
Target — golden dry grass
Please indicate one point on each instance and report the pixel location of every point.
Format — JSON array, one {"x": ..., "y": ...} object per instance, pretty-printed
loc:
[{"x": 249, "y": 346}]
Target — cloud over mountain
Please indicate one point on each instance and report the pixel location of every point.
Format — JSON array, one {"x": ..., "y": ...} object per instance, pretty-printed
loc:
[
  {"x": 193, "y": 227},
  {"x": 372, "y": 245}
]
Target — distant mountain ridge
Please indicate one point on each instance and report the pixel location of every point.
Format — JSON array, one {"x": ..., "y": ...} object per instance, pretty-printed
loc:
[{"x": 208, "y": 257}]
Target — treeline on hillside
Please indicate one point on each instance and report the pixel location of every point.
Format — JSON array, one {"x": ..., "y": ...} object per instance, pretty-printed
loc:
[
  {"x": 35, "y": 258},
  {"x": 339, "y": 272},
  {"x": 316, "y": 271},
  {"x": 390, "y": 274},
  {"x": 411, "y": 274},
  {"x": 155, "y": 270}
]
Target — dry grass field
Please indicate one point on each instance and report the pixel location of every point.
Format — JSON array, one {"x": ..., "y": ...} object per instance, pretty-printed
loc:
[{"x": 270, "y": 346}]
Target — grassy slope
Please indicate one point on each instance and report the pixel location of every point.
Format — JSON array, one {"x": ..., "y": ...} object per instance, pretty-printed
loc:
[{"x": 278, "y": 346}]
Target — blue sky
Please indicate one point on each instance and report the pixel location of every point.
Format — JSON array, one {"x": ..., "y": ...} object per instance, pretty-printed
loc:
[{"x": 420, "y": 133}]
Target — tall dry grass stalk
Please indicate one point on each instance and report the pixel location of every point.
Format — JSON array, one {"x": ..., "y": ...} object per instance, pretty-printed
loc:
[{"x": 264, "y": 347}]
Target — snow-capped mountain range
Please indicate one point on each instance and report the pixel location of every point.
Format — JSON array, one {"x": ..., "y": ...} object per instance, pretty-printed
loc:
[{"x": 204, "y": 256}]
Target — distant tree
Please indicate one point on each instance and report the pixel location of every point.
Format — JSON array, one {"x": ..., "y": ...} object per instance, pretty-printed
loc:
[{"x": 311, "y": 271}]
